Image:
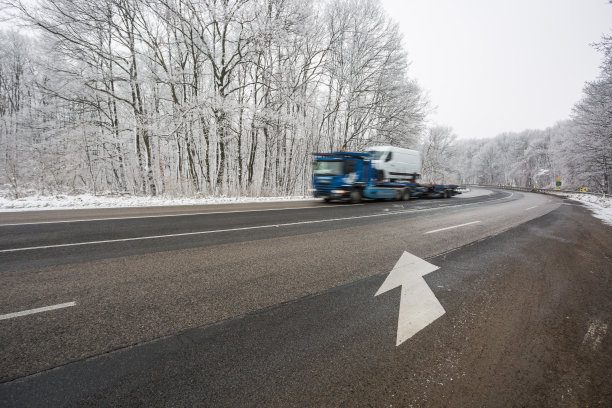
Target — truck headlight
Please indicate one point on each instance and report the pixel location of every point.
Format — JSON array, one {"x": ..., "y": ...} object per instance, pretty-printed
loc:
[{"x": 339, "y": 191}]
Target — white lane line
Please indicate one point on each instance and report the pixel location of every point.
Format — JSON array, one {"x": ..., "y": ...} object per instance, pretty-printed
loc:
[
  {"x": 161, "y": 216},
  {"x": 245, "y": 228},
  {"x": 196, "y": 233},
  {"x": 454, "y": 226},
  {"x": 38, "y": 310},
  {"x": 531, "y": 208}
]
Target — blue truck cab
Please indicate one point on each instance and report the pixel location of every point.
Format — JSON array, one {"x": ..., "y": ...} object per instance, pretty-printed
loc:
[
  {"x": 352, "y": 176},
  {"x": 348, "y": 176}
]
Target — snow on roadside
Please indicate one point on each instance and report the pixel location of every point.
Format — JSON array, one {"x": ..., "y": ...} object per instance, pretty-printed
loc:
[
  {"x": 66, "y": 202},
  {"x": 600, "y": 206}
]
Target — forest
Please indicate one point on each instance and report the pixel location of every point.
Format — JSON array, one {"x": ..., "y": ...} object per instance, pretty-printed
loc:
[{"x": 190, "y": 98}]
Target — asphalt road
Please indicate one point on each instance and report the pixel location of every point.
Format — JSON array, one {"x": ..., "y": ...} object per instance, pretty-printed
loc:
[{"x": 273, "y": 305}]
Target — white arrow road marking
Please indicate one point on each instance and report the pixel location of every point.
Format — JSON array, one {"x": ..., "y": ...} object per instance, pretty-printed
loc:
[
  {"x": 39, "y": 310},
  {"x": 419, "y": 306}
]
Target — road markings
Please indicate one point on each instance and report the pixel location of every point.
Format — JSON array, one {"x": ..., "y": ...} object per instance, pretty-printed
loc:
[
  {"x": 167, "y": 215},
  {"x": 454, "y": 226},
  {"x": 38, "y": 310},
  {"x": 387, "y": 213},
  {"x": 419, "y": 306},
  {"x": 531, "y": 208},
  {"x": 200, "y": 232}
]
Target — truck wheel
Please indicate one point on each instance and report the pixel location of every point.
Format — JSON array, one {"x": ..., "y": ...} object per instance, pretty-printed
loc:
[
  {"x": 327, "y": 200},
  {"x": 406, "y": 195},
  {"x": 447, "y": 194},
  {"x": 355, "y": 196}
]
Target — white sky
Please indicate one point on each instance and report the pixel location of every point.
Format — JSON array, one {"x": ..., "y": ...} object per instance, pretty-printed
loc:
[{"x": 491, "y": 66}]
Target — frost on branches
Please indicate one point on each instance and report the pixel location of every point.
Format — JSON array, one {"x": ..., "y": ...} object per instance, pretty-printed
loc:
[{"x": 196, "y": 97}]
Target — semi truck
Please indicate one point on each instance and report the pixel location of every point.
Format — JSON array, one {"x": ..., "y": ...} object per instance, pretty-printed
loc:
[{"x": 384, "y": 172}]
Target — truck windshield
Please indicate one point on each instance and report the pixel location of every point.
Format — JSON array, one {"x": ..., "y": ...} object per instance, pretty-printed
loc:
[
  {"x": 377, "y": 154},
  {"x": 328, "y": 167}
]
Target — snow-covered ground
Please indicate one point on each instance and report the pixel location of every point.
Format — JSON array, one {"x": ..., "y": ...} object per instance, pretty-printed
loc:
[
  {"x": 473, "y": 192},
  {"x": 600, "y": 206},
  {"x": 65, "y": 202}
]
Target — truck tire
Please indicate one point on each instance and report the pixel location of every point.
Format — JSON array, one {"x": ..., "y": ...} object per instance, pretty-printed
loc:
[
  {"x": 355, "y": 196},
  {"x": 406, "y": 195},
  {"x": 447, "y": 194}
]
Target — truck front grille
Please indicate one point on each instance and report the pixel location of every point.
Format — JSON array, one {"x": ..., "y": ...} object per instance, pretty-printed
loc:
[{"x": 323, "y": 189}]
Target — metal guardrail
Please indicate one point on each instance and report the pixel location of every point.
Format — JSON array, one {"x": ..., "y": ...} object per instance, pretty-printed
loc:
[{"x": 538, "y": 190}]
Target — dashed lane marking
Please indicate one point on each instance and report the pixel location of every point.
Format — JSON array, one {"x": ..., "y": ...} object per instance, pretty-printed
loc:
[
  {"x": 454, "y": 226},
  {"x": 38, "y": 310}
]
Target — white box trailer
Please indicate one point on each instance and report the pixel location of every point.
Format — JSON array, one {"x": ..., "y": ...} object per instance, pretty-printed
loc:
[{"x": 396, "y": 163}]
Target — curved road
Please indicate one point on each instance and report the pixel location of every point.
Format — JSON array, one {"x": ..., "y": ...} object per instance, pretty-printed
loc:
[{"x": 273, "y": 304}]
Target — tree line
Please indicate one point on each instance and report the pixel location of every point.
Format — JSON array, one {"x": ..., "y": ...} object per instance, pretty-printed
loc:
[
  {"x": 231, "y": 97},
  {"x": 578, "y": 150},
  {"x": 197, "y": 97}
]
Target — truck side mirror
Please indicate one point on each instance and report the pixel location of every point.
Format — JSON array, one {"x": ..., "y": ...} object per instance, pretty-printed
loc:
[{"x": 389, "y": 157}]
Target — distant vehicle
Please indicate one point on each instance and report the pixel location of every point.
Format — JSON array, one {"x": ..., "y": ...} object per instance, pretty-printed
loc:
[{"x": 385, "y": 172}]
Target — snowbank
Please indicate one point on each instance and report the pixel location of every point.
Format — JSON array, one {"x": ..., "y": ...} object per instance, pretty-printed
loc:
[
  {"x": 601, "y": 207},
  {"x": 66, "y": 202}
]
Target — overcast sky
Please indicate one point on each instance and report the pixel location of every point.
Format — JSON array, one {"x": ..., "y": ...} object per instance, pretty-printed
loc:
[{"x": 492, "y": 66}]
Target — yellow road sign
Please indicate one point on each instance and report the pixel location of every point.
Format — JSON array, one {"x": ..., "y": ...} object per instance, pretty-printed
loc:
[
  {"x": 583, "y": 189},
  {"x": 558, "y": 188}
]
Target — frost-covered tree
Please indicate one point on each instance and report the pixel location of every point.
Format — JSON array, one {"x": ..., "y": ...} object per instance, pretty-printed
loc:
[
  {"x": 527, "y": 159},
  {"x": 591, "y": 149},
  {"x": 189, "y": 97},
  {"x": 19, "y": 97},
  {"x": 436, "y": 153},
  {"x": 369, "y": 96}
]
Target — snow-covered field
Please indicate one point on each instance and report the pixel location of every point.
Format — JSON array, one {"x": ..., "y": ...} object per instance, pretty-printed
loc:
[{"x": 65, "y": 202}]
